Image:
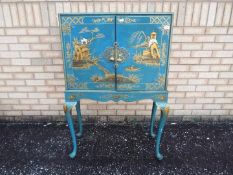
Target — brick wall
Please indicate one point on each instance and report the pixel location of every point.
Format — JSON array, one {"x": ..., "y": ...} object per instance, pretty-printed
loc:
[{"x": 31, "y": 65}]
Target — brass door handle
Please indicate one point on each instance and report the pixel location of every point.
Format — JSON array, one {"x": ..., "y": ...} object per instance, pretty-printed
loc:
[
  {"x": 116, "y": 54},
  {"x": 117, "y": 57}
]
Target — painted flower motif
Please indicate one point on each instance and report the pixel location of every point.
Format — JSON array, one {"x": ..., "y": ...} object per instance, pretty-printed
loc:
[
  {"x": 84, "y": 41},
  {"x": 121, "y": 20},
  {"x": 84, "y": 30},
  {"x": 109, "y": 19},
  {"x": 99, "y": 35},
  {"x": 166, "y": 27},
  {"x": 95, "y": 30}
]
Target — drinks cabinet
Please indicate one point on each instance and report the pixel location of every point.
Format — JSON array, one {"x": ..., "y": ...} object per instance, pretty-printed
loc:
[{"x": 116, "y": 57}]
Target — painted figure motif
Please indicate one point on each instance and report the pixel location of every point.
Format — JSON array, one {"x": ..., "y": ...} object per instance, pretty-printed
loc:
[
  {"x": 153, "y": 45},
  {"x": 150, "y": 54}
]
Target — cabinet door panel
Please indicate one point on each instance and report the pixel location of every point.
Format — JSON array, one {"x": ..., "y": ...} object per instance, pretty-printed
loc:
[
  {"x": 143, "y": 42},
  {"x": 86, "y": 39}
]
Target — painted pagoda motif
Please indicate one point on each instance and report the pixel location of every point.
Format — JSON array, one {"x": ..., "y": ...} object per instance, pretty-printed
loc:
[{"x": 82, "y": 54}]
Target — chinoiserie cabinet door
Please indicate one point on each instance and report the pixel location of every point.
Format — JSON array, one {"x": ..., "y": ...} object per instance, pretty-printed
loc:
[
  {"x": 142, "y": 54},
  {"x": 88, "y": 51}
]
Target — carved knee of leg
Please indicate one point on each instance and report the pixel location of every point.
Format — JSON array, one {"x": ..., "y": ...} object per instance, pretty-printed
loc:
[
  {"x": 67, "y": 108},
  {"x": 166, "y": 110}
]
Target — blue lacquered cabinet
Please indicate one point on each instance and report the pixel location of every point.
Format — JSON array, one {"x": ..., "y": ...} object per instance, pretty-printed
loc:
[{"x": 116, "y": 57}]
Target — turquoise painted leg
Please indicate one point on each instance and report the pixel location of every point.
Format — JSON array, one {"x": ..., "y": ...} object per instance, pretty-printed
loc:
[
  {"x": 162, "y": 121},
  {"x": 153, "y": 117},
  {"x": 80, "y": 124},
  {"x": 67, "y": 109}
]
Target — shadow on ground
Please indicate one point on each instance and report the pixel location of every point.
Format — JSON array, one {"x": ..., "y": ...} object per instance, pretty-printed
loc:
[{"x": 188, "y": 148}]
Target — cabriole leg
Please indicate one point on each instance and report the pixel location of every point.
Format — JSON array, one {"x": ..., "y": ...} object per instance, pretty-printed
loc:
[
  {"x": 153, "y": 117},
  {"x": 67, "y": 109},
  {"x": 80, "y": 125},
  {"x": 162, "y": 121}
]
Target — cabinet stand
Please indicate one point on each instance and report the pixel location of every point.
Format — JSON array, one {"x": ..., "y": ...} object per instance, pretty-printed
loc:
[{"x": 116, "y": 97}]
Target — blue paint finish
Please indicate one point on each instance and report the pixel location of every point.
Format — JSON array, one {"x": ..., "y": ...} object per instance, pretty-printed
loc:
[
  {"x": 116, "y": 57},
  {"x": 128, "y": 96},
  {"x": 162, "y": 122},
  {"x": 153, "y": 116},
  {"x": 67, "y": 108},
  {"x": 79, "y": 134},
  {"x": 151, "y": 74},
  {"x": 94, "y": 35}
]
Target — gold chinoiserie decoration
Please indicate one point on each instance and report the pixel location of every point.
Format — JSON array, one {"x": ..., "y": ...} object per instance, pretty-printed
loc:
[
  {"x": 72, "y": 97},
  {"x": 167, "y": 109},
  {"x": 82, "y": 57},
  {"x": 162, "y": 97},
  {"x": 150, "y": 55},
  {"x": 65, "y": 108}
]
